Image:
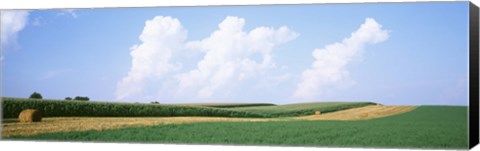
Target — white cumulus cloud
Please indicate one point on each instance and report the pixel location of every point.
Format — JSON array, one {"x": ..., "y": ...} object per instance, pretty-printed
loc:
[
  {"x": 161, "y": 38},
  {"x": 228, "y": 55},
  {"x": 330, "y": 66},
  {"x": 12, "y": 22},
  {"x": 231, "y": 55}
]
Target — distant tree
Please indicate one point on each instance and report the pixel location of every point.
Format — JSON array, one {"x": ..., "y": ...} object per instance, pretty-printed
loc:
[
  {"x": 155, "y": 102},
  {"x": 81, "y": 98},
  {"x": 68, "y": 98},
  {"x": 36, "y": 95}
]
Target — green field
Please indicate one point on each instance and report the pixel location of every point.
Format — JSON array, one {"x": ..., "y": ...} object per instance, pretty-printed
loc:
[
  {"x": 424, "y": 127},
  {"x": 302, "y": 108},
  {"x": 11, "y": 108}
]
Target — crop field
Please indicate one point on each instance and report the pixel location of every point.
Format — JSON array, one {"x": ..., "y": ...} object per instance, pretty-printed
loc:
[
  {"x": 69, "y": 124},
  {"x": 227, "y": 105},
  {"x": 344, "y": 124},
  {"x": 423, "y": 127},
  {"x": 301, "y": 109},
  {"x": 12, "y": 127},
  {"x": 361, "y": 113},
  {"x": 11, "y": 107},
  {"x": 62, "y": 108}
]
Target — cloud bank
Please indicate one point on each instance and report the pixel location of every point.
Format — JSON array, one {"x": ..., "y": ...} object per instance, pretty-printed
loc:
[
  {"x": 12, "y": 22},
  {"x": 330, "y": 66},
  {"x": 230, "y": 55}
]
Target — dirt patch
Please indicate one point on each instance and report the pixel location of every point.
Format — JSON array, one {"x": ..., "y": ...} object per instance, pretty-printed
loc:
[
  {"x": 361, "y": 113},
  {"x": 68, "y": 124}
]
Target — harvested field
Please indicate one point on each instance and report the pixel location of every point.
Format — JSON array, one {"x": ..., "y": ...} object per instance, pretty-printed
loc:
[
  {"x": 67, "y": 124},
  {"x": 361, "y": 113}
]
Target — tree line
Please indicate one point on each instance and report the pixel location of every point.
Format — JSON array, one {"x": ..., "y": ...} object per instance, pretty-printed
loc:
[{"x": 36, "y": 95}]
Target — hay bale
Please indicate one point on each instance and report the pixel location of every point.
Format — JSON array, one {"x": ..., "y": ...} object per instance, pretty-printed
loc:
[
  {"x": 317, "y": 112},
  {"x": 30, "y": 115}
]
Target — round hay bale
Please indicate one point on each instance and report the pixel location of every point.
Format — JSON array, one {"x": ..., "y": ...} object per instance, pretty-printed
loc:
[
  {"x": 30, "y": 115},
  {"x": 317, "y": 112}
]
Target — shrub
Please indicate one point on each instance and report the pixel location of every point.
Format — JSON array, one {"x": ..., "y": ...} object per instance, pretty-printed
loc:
[
  {"x": 68, "y": 98},
  {"x": 36, "y": 95}
]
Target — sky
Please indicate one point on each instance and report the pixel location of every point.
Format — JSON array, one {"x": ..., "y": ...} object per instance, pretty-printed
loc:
[{"x": 390, "y": 53}]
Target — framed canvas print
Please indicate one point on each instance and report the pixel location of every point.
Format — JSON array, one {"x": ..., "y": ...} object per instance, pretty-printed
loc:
[{"x": 355, "y": 75}]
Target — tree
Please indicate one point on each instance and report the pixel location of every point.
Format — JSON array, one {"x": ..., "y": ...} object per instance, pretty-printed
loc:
[
  {"x": 155, "y": 102},
  {"x": 68, "y": 98},
  {"x": 81, "y": 98},
  {"x": 36, "y": 95}
]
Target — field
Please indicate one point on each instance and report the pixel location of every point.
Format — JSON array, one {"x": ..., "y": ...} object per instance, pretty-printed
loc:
[
  {"x": 424, "y": 127},
  {"x": 344, "y": 124},
  {"x": 360, "y": 113},
  {"x": 302, "y": 108},
  {"x": 67, "y": 124},
  {"x": 62, "y": 108},
  {"x": 227, "y": 105}
]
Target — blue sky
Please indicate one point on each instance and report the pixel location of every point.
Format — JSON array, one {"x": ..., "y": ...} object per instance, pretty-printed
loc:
[{"x": 391, "y": 53}]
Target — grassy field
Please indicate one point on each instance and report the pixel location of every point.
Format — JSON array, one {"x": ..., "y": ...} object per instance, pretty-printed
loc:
[
  {"x": 301, "y": 108},
  {"x": 424, "y": 127}
]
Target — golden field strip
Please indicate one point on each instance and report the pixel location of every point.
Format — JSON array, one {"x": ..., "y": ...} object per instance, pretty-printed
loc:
[
  {"x": 68, "y": 124},
  {"x": 361, "y": 113}
]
